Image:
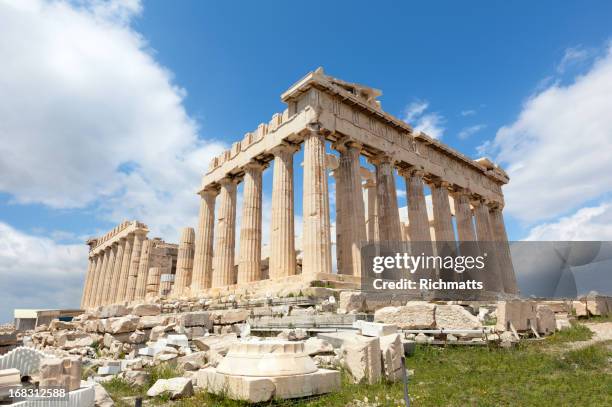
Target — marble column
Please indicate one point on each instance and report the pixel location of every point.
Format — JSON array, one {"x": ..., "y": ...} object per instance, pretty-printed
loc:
[
  {"x": 463, "y": 216},
  {"x": 110, "y": 266},
  {"x": 224, "y": 258},
  {"x": 372, "y": 216},
  {"x": 353, "y": 211},
  {"x": 443, "y": 219},
  {"x": 88, "y": 281},
  {"x": 249, "y": 262},
  {"x": 342, "y": 247},
  {"x": 418, "y": 221},
  {"x": 282, "y": 225},
  {"x": 153, "y": 280},
  {"x": 184, "y": 262},
  {"x": 98, "y": 282},
  {"x": 503, "y": 249},
  {"x": 316, "y": 239},
  {"x": 132, "y": 279},
  {"x": 125, "y": 269},
  {"x": 116, "y": 275},
  {"x": 492, "y": 278},
  {"x": 203, "y": 257},
  {"x": 143, "y": 270},
  {"x": 389, "y": 227}
]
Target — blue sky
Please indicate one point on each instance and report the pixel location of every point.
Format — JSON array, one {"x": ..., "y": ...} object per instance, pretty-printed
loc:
[{"x": 111, "y": 110}]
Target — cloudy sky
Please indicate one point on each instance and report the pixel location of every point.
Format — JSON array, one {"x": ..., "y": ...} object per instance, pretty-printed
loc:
[{"x": 111, "y": 110}]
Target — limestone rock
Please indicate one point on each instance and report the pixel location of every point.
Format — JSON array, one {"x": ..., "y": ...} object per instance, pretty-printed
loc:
[
  {"x": 413, "y": 315},
  {"x": 392, "y": 351},
  {"x": 146, "y": 310},
  {"x": 193, "y": 361},
  {"x": 200, "y": 318},
  {"x": 57, "y": 325},
  {"x": 546, "y": 322},
  {"x": 230, "y": 316},
  {"x": 121, "y": 324},
  {"x": 103, "y": 399},
  {"x": 150, "y": 321},
  {"x": 580, "y": 309},
  {"x": 374, "y": 328},
  {"x": 351, "y": 301},
  {"x": 455, "y": 317},
  {"x": 114, "y": 310},
  {"x": 362, "y": 359},
  {"x": 136, "y": 377},
  {"x": 316, "y": 346},
  {"x": 177, "y": 387},
  {"x": 562, "y": 322}
]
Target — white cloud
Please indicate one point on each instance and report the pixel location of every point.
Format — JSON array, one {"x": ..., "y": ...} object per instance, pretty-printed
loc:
[
  {"x": 468, "y": 112},
  {"x": 557, "y": 152},
  {"x": 37, "y": 272},
  {"x": 471, "y": 130},
  {"x": 430, "y": 123},
  {"x": 573, "y": 56},
  {"x": 590, "y": 223},
  {"x": 88, "y": 117}
]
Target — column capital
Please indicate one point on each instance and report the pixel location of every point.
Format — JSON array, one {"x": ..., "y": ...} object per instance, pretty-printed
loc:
[
  {"x": 381, "y": 159},
  {"x": 457, "y": 191},
  {"x": 209, "y": 191},
  {"x": 370, "y": 183},
  {"x": 495, "y": 206},
  {"x": 347, "y": 143},
  {"x": 438, "y": 182},
  {"x": 411, "y": 172},
  {"x": 255, "y": 165},
  {"x": 477, "y": 200},
  {"x": 229, "y": 179},
  {"x": 284, "y": 148}
]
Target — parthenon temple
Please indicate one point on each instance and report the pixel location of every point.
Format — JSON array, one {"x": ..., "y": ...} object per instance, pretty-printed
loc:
[{"x": 322, "y": 111}]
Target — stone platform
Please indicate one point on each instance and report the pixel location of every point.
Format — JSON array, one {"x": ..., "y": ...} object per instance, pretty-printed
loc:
[{"x": 258, "y": 371}]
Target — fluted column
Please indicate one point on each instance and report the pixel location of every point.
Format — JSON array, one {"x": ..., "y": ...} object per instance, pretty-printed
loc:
[
  {"x": 91, "y": 265},
  {"x": 249, "y": 262},
  {"x": 343, "y": 255},
  {"x": 316, "y": 239},
  {"x": 143, "y": 270},
  {"x": 282, "y": 225},
  {"x": 389, "y": 227},
  {"x": 353, "y": 210},
  {"x": 203, "y": 257},
  {"x": 503, "y": 249},
  {"x": 184, "y": 262},
  {"x": 98, "y": 284},
  {"x": 463, "y": 216},
  {"x": 132, "y": 279},
  {"x": 125, "y": 269},
  {"x": 492, "y": 278},
  {"x": 443, "y": 219},
  {"x": 372, "y": 216},
  {"x": 418, "y": 221},
  {"x": 116, "y": 275},
  {"x": 108, "y": 273},
  {"x": 152, "y": 286},
  {"x": 224, "y": 256}
]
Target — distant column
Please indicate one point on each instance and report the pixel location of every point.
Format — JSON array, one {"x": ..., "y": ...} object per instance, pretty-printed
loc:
[
  {"x": 492, "y": 278},
  {"x": 108, "y": 273},
  {"x": 88, "y": 281},
  {"x": 184, "y": 262},
  {"x": 443, "y": 219},
  {"x": 353, "y": 211},
  {"x": 372, "y": 217},
  {"x": 132, "y": 280},
  {"x": 418, "y": 221},
  {"x": 203, "y": 257},
  {"x": 249, "y": 264},
  {"x": 153, "y": 277},
  {"x": 389, "y": 227},
  {"x": 463, "y": 216},
  {"x": 116, "y": 275},
  {"x": 224, "y": 252},
  {"x": 125, "y": 269},
  {"x": 282, "y": 227},
  {"x": 503, "y": 249},
  {"x": 316, "y": 239},
  {"x": 98, "y": 284},
  {"x": 143, "y": 270}
]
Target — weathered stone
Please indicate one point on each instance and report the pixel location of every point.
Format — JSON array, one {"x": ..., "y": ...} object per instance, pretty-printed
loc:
[
  {"x": 351, "y": 301},
  {"x": 392, "y": 351},
  {"x": 546, "y": 322},
  {"x": 103, "y": 399},
  {"x": 230, "y": 316},
  {"x": 146, "y": 310},
  {"x": 413, "y": 315},
  {"x": 362, "y": 359},
  {"x": 562, "y": 322},
  {"x": 200, "y": 318},
  {"x": 315, "y": 346},
  {"x": 455, "y": 317},
  {"x": 113, "y": 310},
  {"x": 193, "y": 361},
  {"x": 177, "y": 387},
  {"x": 136, "y": 377},
  {"x": 521, "y": 314},
  {"x": 580, "y": 309},
  {"x": 57, "y": 325},
  {"x": 121, "y": 324},
  {"x": 374, "y": 328},
  {"x": 150, "y": 321}
]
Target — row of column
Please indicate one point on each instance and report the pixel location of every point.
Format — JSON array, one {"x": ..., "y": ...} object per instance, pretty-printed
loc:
[{"x": 113, "y": 273}]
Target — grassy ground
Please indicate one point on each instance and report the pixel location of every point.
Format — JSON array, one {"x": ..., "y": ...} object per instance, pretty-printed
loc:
[{"x": 530, "y": 375}]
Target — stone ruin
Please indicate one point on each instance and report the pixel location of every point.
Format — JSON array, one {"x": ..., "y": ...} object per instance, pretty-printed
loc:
[{"x": 125, "y": 266}]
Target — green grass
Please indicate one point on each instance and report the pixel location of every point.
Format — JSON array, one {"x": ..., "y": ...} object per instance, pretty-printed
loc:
[
  {"x": 577, "y": 332},
  {"x": 528, "y": 375}
]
